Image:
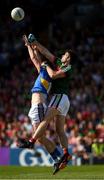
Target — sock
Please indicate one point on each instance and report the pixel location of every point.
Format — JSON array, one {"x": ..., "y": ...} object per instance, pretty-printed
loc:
[
  {"x": 65, "y": 151},
  {"x": 32, "y": 140},
  {"x": 55, "y": 154}
]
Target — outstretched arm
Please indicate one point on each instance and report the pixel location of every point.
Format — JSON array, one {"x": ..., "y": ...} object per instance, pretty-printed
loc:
[
  {"x": 55, "y": 74},
  {"x": 41, "y": 48},
  {"x": 45, "y": 52},
  {"x": 33, "y": 53}
]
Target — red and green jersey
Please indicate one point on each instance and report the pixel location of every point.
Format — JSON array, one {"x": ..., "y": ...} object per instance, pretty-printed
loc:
[{"x": 61, "y": 85}]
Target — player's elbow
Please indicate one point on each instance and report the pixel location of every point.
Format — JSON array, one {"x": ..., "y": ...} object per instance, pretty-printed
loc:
[{"x": 53, "y": 75}]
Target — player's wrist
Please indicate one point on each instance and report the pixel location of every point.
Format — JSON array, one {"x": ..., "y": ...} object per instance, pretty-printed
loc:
[{"x": 27, "y": 44}]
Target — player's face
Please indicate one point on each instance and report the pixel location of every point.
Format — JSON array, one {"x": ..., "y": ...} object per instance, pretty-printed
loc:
[{"x": 65, "y": 58}]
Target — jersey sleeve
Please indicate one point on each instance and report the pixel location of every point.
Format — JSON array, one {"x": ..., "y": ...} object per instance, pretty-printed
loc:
[
  {"x": 66, "y": 68},
  {"x": 58, "y": 62},
  {"x": 47, "y": 63},
  {"x": 55, "y": 63},
  {"x": 68, "y": 73}
]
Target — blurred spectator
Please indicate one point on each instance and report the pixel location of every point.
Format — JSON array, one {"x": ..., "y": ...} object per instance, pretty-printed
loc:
[{"x": 98, "y": 151}]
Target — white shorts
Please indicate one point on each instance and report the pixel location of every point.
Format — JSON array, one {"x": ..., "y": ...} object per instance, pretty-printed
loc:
[
  {"x": 61, "y": 102},
  {"x": 37, "y": 112}
]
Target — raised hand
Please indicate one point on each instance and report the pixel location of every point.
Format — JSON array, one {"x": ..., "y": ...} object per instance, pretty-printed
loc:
[
  {"x": 25, "y": 40},
  {"x": 31, "y": 38}
]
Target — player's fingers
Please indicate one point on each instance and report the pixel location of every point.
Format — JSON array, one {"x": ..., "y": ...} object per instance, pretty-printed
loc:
[
  {"x": 25, "y": 44},
  {"x": 35, "y": 47},
  {"x": 24, "y": 38}
]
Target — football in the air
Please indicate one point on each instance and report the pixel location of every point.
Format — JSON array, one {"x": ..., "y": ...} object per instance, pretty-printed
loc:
[{"x": 17, "y": 14}]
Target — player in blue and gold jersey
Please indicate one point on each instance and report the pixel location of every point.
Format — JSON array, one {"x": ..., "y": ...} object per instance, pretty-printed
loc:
[
  {"x": 38, "y": 108},
  {"x": 43, "y": 81}
]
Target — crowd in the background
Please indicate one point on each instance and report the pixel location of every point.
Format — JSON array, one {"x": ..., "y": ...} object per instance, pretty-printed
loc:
[{"x": 85, "y": 122}]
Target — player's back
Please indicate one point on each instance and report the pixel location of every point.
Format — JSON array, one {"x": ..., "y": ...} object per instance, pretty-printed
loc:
[{"x": 43, "y": 82}]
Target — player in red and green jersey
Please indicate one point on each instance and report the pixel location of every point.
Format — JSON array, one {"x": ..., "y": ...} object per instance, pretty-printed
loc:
[
  {"x": 58, "y": 86},
  {"x": 59, "y": 104}
]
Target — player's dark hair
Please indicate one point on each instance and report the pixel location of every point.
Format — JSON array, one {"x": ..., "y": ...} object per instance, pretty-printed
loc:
[{"x": 73, "y": 55}]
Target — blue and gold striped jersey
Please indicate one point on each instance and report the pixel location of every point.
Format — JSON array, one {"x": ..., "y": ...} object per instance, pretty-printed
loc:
[{"x": 43, "y": 81}]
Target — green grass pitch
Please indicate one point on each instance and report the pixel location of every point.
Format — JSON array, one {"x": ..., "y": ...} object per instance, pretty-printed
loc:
[{"x": 42, "y": 173}]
